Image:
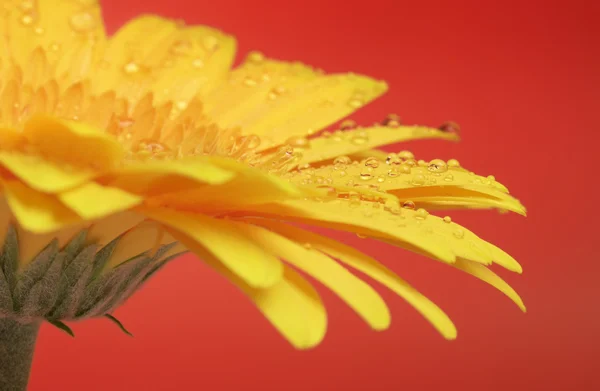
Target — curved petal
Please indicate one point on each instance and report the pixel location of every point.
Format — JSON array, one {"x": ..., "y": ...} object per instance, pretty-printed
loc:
[
  {"x": 356, "y": 293},
  {"x": 429, "y": 235},
  {"x": 226, "y": 240},
  {"x": 175, "y": 62},
  {"x": 292, "y": 305},
  {"x": 435, "y": 184},
  {"x": 278, "y": 100},
  {"x": 329, "y": 146},
  {"x": 70, "y": 34},
  {"x": 370, "y": 267},
  {"x": 37, "y": 212},
  {"x": 93, "y": 201}
]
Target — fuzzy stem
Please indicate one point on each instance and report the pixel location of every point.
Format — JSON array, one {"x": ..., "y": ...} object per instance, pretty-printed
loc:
[{"x": 17, "y": 342}]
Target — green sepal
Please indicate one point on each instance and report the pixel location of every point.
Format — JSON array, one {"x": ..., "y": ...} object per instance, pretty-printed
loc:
[
  {"x": 118, "y": 323},
  {"x": 60, "y": 325}
]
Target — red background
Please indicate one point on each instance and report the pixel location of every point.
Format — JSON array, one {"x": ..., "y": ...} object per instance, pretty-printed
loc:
[{"x": 522, "y": 79}]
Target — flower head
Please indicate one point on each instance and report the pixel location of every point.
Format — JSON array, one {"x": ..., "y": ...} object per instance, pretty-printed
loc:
[{"x": 118, "y": 153}]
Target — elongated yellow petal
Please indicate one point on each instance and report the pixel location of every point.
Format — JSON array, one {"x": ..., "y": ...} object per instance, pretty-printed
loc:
[
  {"x": 370, "y": 267},
  {"x": 292, "y": 305},
  {"x": 433, "y": 184},
  {"x": 93, "y": 201},
  {"x": 265, "y": 97},
  {"x": 158, "y": 177},
  {"x": 37, "y": 212},
  {"x": 486, "y": 275},
  {"x": 227, "y": 241},
  {"x": 356, "y": 140},
  {"x": 71, "y": 33},
  {"x": 173, "y": 61},
  {"x": 445, "y": 241},
  {"x": 356, "y": 293},
  {"x": 43, "y": 175},
  {"x": 74, "y": 142}
]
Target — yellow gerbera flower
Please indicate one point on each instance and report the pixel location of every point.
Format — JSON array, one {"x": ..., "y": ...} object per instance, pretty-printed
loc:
[{"x": 118, "y": 154}]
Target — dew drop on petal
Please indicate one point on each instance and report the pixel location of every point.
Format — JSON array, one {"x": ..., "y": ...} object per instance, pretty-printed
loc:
[
  {"x": 450, "y": 127},
  {"x": 361, "y": 236},
  {"x": 27, "y": 20},
  {"x": 298, "y": 142},
  {"x": 408, "y": 205},
  {"x": 82, "y": 22},
  {"x": 372, "y": 162},
  {"x": 437, "y": 166},
  {"x": 449, "y": 178},
  {"x": 406, "y": 155},
  {"x": 348, "y": 125},
  {"x": 418, "y": 180},
  {"x": 342, "y": 160},
  {"x": 131, "y": 68},
  {"x": 453, "y": 163},
  {"x": 360, "y": 138},
  {"x": 256, "y": 57},
  {"x": 447, "y": 219},
  {"x": 421, "y": 214}
]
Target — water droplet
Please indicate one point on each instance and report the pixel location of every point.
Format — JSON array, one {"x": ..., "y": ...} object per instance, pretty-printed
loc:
[
  {"x": 453, "y": 163},
  {"x": 82, "y": 22},
  {"x": 348, "y": 125},
  {"x": 342, "y": 160},
  {"x": 250, "y": 82},
  {"x": 211, "y": 43},
  {"x": 27, "y": 20},
  {"x": 151, "y": 146},
  {"x": 276, "y": 92},
  {"x": 361, "y": 236},
  {"x": 326, "y": 134},
  {"x": 449, "y": 127},
  {"x": 418, "y": 180},
  {"x": 366, "y": 174},
  {"x": 422, "y": 163},
  {"x": 356, "y": 103},
  {"x": 421, "y": 214},
  {"x": 372, "y": 162},
  {"x": 438, "y": 166},
  {"x": 404, "y": 168},
  {"x": 298, "y": 142},
  {"x": 406, "y": 155},
  {"x": 181, "y": 105},
  {"x": 256, "y": 57},
  {"x": 131, "y": 68},
  {"x": 198, "y": 63},
  {"x": 459, "y": 233},
  {"x": 408, "y": 205},
  {"x": 381, "y": 179},
  {"x": 55, "y": 47},
  {"x": 391, "y": 120},
  {"x": 393, "y": 160},
  {"x": 39, "y": 30},
  {"x": 307, "y": 246},
  {"x": 447, "y": 219},
  {"x": 491, "y": 178},
  {"x": 360, "y": 138},
  {"x": 393, "y": 172},
  {"x": 125, "y": 122},
  {"x": 449, "y": 178}
]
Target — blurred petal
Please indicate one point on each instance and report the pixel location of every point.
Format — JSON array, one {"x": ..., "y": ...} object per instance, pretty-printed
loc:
[
  {"x": 292, "y": 305},
  {"x": 370, "y": 267},
  {"x": 278, "y": 100},
  {"x": 356, "y": 293},
  {"x": 93, "y": 201},
  {"x": 227, "y": 241}
]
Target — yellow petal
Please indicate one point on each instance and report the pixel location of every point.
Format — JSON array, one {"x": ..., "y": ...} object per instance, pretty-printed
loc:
[
  {"x": 136, "y": 241},
  {"x": 354, "y": 141},
  {"x": 292, "y": 305},
  {"x": 94, "y": 201},
  {"x": 427, "y": 185},
  {"x": 43, "y": 175},
  {"x": 356, "y": 293},
  {"x": 173, "y": 61},
  {"x": 226, "y": 240},
  {"x": 103, "y": 231},
  {"x": 486, "y": 275},
  {"x": 37, "y": 212},
  {"x": 157, "y": 177},
  {"x": 74, "y": 142},
  {"x": 70, "y": 31},
  {"x": 370, "y": 267},
  {"x": 413, "y": 230},
  {"x": 250, "y": 186},
  {"x": 265, "y": 97}
]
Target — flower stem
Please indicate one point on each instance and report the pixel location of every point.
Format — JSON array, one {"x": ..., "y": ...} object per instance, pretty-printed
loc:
[{"x": 17, "y": 342}]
